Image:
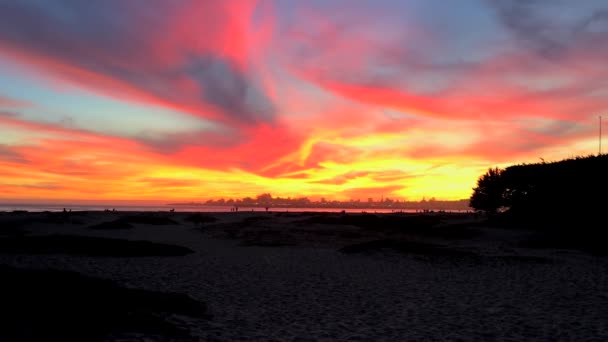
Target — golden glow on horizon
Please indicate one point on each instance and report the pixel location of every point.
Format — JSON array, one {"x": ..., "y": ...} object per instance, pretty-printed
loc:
[
  {"x": 77, "y": 164},
  {"x": 148, "y": 177}
]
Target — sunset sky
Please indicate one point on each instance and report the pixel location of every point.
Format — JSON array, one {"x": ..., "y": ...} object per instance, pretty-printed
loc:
[{"x": 191, "y": 100}]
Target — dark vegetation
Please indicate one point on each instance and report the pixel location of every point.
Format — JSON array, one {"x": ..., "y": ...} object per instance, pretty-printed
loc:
[
  {"x": 253, "y": 220},
  {"x": 112, "y": 225},
  {"x": 563, "y": 200},
  {"x": 19, "y": 212},
  {"x": 126, "y": 222},
  {"x": 200, "y": 219},
  {"x": 25, "y": 218},
  {"x": 75, "y": 217},
  {"x": 256, "y": 231},
  {"x": 55, "y": 305},
  {"x": 339, "y": 229},
  {"x": 154, "y": 220},
  {"x": 87, "y": 246},
  {"x": 372, "y": 221},
  {"x": 570, "y": 188},
  {"x": 422, "y": 225}
]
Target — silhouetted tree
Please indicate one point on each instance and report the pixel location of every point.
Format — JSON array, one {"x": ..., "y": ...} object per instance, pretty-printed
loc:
[
  {"x": 564, "y": 193},
  {"x": 264, "y": 199},
  {"x": 489, "y": 193}
]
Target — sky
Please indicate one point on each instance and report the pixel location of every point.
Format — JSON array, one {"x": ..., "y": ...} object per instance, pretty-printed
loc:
[{"x": 345, "y": 99}]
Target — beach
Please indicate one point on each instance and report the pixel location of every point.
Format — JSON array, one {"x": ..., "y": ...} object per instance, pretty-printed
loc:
[{"x": 285, "y": 276}]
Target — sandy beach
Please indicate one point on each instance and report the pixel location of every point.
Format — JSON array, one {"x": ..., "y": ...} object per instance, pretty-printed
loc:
[{"x": 282, "y": 276}]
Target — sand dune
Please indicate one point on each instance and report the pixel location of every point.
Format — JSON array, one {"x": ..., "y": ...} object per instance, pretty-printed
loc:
[{"x": 286, "y": 277}]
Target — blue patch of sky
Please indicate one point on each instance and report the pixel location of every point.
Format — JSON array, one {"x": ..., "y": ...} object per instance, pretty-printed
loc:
[
  {"x": 80, "y": 108},
  {"x": 417, "y": 45}
]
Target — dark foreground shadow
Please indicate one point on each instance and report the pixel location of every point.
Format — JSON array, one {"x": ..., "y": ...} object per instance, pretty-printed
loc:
[
  {"x": 407, "y": 247},
  {"x": 200, "y": 219},
  {"x": 112, "y": 225},
  {"x": 65, "y": 306},
  {"x": 591, "y": 243},
  {"x": 557, "y": 230},
  {"x": 87, "y": 246},
  {"x": 440, "y": 252},
  {"x": 154, "y": 220},
  {"x": 127, "y": 222},
  {"x": 432, "y": 226}
]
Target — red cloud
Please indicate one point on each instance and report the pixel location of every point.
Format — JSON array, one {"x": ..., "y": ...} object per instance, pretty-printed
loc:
[{"x": 176, "y": 59}]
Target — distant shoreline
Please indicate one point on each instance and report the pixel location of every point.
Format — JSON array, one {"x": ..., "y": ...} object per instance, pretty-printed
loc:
[
  {"x": 7, "y": 208},
  {"x": 461, "y": 205}
]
